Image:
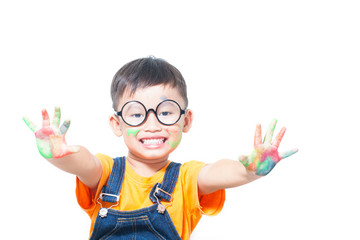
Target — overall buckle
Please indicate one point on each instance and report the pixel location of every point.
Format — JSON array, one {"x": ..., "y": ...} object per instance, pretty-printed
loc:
[
  {"x": 110, "y": 195},
  {"x": 161, "y": 208}
]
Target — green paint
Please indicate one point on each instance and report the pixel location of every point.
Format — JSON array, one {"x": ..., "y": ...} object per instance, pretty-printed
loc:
[
  {"x": 174, "y": 144},
  {"x": 50, "y": 140},
  {"x": 270, "y": 132},
  {"x": 131, "y": 131},
  {"x": 57, "y": 116},
  {"x": 31, "y": 125},
  {"x": 44, "y": 148},
  {"x": 244, "y": 160}
]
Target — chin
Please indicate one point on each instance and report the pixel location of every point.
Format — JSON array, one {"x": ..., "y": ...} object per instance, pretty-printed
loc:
[{"x": 151, "y": 156}]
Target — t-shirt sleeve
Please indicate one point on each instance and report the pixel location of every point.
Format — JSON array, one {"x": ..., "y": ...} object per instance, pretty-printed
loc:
[
  {"x": 85, "y": 198},
  {"x": 210, "y": 204}
]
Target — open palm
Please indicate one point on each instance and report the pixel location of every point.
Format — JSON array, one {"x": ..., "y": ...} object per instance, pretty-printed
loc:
[
  {"x": 50, "y": 139},
  {"x": 265, "y": 155}
]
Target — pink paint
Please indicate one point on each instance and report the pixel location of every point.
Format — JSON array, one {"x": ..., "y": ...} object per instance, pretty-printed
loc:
[
  {"x": 265, "y": 156},
  {"x": 44, "y": 133}
]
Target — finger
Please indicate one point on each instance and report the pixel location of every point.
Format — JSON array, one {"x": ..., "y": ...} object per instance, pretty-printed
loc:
[
  {"x": 257, "y": 138},
  {"x": 30, "y": 124},
  {"x": 65, "y": 126},
  {"x": 279, "y": 137},
  {"x": 73, "y": 149},
  {"x": 57, "y": 115},
  {"x": 46, "y": 120},
  {"x": 288, "y": 153},
  {"x": 270, "y": 132}
]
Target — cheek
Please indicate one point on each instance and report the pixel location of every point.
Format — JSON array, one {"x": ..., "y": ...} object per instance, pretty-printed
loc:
[
  {"x": 129, "y": 135},
  {"x": 175, "y": 133},
  {"x": 132, "y": 132}
]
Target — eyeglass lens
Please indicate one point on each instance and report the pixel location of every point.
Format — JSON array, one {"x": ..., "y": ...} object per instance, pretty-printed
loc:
[{"x": 167, "y": 112}]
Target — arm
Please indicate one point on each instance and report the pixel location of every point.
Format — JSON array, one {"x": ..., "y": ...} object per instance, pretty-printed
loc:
[
  {"x": 83, "y": 164},
  {"x": 223, "y": 174},
  {"x": 77, "y": 160},
  {"x": 229, "y": 173}
]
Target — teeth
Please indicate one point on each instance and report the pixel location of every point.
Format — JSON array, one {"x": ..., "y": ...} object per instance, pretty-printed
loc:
[{"x": 153, "y": 141}]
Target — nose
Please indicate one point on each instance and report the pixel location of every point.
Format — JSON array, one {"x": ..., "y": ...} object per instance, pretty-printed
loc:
[{"x": 151, "y": 123}]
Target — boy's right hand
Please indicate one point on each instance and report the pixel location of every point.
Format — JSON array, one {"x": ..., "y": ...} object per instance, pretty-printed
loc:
[{"x": 50, "y": 139}]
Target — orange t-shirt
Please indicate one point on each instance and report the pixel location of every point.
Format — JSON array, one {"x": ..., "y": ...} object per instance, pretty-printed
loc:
[{"x": 185, "y": 210}]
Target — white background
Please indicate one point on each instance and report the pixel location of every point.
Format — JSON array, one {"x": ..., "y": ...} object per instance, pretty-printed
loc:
[{"x": 245, "y": 62}]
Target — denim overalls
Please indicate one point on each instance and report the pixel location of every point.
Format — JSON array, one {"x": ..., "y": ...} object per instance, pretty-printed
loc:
[{"x": 153, "y": 222}]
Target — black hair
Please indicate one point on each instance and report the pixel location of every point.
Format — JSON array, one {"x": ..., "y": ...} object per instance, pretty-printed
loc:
[{"x": 146, "y": 72}]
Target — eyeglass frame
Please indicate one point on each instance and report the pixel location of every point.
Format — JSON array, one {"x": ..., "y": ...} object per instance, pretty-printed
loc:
[{"x": 182, "y": 111}]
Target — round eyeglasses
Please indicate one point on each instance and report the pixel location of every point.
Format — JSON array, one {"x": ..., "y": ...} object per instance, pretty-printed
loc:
[{"x": 134, "y": 113}]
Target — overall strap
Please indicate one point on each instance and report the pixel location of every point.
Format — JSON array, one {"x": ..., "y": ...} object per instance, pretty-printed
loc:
[
  {"x": 164, "y": 191},
  {"x": 111, "y": 192}
]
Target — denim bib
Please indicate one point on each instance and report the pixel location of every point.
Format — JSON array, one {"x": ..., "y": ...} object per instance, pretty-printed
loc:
[{"x": 149, "y": 223}]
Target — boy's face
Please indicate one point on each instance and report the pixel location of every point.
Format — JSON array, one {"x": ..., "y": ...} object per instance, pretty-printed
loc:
[{"x": 152, "y": 141}]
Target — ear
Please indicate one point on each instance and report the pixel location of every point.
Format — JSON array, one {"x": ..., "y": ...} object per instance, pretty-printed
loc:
[
  {"x": 115, "y": 125},
  {"x": 189, "y": 116}
]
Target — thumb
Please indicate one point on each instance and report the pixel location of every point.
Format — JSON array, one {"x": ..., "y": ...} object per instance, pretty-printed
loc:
[
  {"x": 30, "y": 124},
  {"x": 73, "y": 149},
  {"x": 67, "y": 151},
  {"x": 244, "y": 160}
]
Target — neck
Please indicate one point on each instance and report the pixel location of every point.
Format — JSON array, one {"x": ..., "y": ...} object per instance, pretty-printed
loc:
[{"x": 146, "y": 168}]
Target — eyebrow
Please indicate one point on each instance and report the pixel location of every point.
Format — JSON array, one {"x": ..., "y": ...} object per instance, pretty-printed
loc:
[
  {"x": 133, "y": 105},
  {"x": 163, "y": 97}
]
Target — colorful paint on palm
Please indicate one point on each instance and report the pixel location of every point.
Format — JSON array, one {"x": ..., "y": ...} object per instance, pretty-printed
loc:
[
  {"x": 50, "y": 139},
  {"x": 265, "y": 155}
]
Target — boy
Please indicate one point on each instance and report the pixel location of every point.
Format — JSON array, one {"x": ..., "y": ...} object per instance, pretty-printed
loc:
[{"x": 145, "y": 194}]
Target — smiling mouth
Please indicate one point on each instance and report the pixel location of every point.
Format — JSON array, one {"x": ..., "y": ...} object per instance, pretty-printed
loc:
[{"x": 153, "y": 141}]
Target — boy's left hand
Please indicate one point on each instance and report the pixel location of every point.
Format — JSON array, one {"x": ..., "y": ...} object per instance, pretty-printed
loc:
[{"x": 265, "y": 156}]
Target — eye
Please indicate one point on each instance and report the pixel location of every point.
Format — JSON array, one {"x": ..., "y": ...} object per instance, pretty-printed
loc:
[
  {"x": 137, "y": 115},
  {"x": 165, "y": 114}
]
